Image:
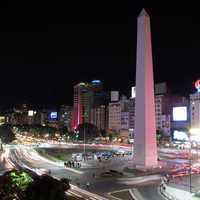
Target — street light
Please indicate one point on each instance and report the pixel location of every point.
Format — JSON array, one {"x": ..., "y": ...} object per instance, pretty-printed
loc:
[
  {"x": 190, "y": 169},
  {"x": 84, "y": 139},
  {"x": 190, "y": 160}
]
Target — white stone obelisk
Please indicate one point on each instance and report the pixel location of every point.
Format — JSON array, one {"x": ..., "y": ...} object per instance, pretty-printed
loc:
[{"x": 145, "y": 146}]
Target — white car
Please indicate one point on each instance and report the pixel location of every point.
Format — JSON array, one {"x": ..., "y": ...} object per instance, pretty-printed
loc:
[{"x": 41, "y": 171}]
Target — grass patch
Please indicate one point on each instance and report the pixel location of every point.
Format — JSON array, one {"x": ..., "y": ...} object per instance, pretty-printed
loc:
[
  {"x": 56, "y": 158},
  {"x": 54, "y": 155},
  {"x": 197, "y": 195},
  {"x": 60, "y": 157}
]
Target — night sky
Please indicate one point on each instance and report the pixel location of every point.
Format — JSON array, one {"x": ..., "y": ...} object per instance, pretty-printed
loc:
[{"x": 45, "y": 50}]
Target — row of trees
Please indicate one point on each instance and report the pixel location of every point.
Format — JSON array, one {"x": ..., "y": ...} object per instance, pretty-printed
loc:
[
  {"x": 88, "y": 130},
  {"x": 84, "y": 131}
]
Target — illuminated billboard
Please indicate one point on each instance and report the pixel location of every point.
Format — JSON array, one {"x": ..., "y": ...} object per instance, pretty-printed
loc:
[
  {"x": 180, "y": 135},
  {"x": 53, "y": 115},
  {"x": 179, "y": 113},
  {"x": 30, "y": 113},
  {"x": 133, "y": 92}
]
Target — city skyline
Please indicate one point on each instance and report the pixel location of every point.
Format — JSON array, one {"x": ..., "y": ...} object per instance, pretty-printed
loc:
[{"x": 52, "y": 56}]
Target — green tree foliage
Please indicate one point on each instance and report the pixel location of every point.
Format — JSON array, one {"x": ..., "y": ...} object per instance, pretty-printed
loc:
[
  {"x": 6, "y": 134},
  {"x": 20, "y": 179},
  {"x": 21, "y": 185},
  {"x": 13, "y": 184},
  {"x": 64, "y": 131},
  {"x": 37, "y": 130},
  {"x": 161, "y": 137},
  {"x": 112, "y": 135}
]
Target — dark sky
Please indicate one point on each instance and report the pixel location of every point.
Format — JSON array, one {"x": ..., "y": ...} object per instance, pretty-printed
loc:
[{"x": 46, "y": 49}]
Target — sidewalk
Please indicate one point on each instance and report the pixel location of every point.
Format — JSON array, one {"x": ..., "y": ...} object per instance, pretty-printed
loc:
[{"x": 177, "y": 194}]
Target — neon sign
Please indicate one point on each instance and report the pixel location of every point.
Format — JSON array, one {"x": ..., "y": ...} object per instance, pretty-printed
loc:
[{"x": 197, "y": 85}]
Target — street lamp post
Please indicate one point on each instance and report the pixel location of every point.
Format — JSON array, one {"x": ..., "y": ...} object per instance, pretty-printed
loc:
[
  {"x": 132, "y": 150},
  {"x": 84, "y": 140},
  {"x": 190, "y": 173},
  {"x": 190, "y": 163}
]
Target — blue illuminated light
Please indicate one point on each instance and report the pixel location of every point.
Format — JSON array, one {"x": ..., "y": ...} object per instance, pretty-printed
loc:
[
  {"x": 96, "y": 81},
  {"x": 53, "y": 115}
]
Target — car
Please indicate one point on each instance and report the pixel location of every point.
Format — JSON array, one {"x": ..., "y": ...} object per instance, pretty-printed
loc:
[{"x": 42, "y": 171}]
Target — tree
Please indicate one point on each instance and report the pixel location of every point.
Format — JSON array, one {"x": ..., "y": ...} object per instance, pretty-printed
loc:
[
  {"x": 27, "y": 185},
  {"x": 103, "y": 132},
  {"x": 6, "y": 134},
  {"x": 46, "y": 187},
  {"x": 13, "y": 185},
  {"x": 112, "y": 135},
  {"x": 89, "y": 130},
  {"x": 160, "y": 136},
  {"x": 63, "y": 131}
]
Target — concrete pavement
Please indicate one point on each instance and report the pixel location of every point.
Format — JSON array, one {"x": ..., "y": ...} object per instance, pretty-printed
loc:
[{"x": 177, "y": 194}]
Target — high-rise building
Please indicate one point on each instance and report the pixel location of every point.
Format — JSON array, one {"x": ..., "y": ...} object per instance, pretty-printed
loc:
[
  {"x": 114, "y": 116},
  {"x": 98, "y": 117},
  {"x": 114, "y": 96},
  {"x": 83, "y": 101},
  {"x": 162, "y": 114},
  {"x": 99, "y": 96},
  {"x": 90, "y": 102},
  {"x": 195, "y": 110},
  {"x": 195, "y": 107},
  {"x": 131, "y": 117},
  {"x": 180, "y": 117},
  {"x": 162, "y": 109},
  {"x": 66, "y": 116},
  {"x": 118, "y": 115}
]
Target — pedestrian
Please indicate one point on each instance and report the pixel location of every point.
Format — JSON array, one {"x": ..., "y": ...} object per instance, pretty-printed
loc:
[
  {"x": 93, "y": 175},
  {"x": 87, "y": 185},
  {"x": 164, "y": 187}
]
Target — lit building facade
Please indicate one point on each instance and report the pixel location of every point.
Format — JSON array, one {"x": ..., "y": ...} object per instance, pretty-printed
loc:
[
  {"x": 90, "y": 102},
  {"x": 131, "y": 117},
  {"x": 162, "y": 112},
  {"x": 66, "y": 113},
  {"x": 83, "y": 101},
  {"x": 195, "y": 110},
  {"x": 98, "y": 117},
  {"x": 114, "y": 116},
  {"x": 118, "y": 114},
  {"x": 180, "y": 118}
]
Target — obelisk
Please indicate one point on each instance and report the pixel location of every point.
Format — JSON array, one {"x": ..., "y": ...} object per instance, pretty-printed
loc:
[{"x": 145, "y": 146}]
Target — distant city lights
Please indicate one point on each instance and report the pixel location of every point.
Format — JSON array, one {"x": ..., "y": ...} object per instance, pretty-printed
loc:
[
  {"x": 30, "y": 113},
  {"x": 195, "y": 131},
  {"x": 96, "y": 82}
]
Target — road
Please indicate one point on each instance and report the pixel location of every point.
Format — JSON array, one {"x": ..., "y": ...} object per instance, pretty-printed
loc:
[{"x": 27, "y": 157}]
